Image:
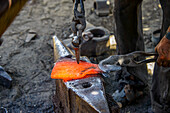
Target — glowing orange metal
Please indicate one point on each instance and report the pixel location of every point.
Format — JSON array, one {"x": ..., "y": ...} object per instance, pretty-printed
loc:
[{"x": 68, "y": 69}]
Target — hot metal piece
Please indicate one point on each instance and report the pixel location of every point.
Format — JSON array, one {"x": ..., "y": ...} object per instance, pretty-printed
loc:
[
  {"x": 67, "y": 69},
  {"x": 77, "y": 53}
]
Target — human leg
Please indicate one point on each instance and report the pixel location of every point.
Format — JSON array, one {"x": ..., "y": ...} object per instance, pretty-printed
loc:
[
  {"x": 129, "y": 33},
  {"x": 160, "y": 91}
]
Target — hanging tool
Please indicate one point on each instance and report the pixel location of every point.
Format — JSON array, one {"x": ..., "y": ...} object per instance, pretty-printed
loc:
[
  {"x": 128, "y": 60},
  {"x": 78, "y": 25}
]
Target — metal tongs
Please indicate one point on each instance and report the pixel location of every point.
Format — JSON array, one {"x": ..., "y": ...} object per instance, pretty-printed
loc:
[
  {"x": 114, "y": 62},
  {"x": 78, "y": 26}
]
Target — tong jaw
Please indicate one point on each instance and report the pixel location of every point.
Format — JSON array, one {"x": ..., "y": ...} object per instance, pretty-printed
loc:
[{"x": 114, "y": 62}]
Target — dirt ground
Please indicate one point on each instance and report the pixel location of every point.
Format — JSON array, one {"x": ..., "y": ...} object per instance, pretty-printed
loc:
[{"x": 30, "y": 63}]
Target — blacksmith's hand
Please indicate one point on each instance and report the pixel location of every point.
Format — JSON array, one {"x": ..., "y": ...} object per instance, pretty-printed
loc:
[{"x": 163, "y": 49}]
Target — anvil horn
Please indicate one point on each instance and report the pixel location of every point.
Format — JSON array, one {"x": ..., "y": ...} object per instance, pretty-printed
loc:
[{"x": 60, "y": 49}]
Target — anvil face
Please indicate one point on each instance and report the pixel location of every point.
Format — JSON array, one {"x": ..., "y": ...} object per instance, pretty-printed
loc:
[{"x": 92, "y": 91}]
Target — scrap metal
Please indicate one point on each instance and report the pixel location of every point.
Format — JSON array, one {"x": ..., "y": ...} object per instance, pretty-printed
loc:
[
  {"x": 97, "y": 40},
  {"x": 102, "y": 7}
]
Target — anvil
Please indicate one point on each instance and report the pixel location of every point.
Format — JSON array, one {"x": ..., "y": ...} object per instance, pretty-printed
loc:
[{"x": 86, "y": 95}]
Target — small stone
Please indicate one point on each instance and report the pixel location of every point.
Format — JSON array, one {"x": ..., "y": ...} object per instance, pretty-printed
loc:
[
  {"x": 32, "y": 31},
  {"x": 30, "y": 37}
]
